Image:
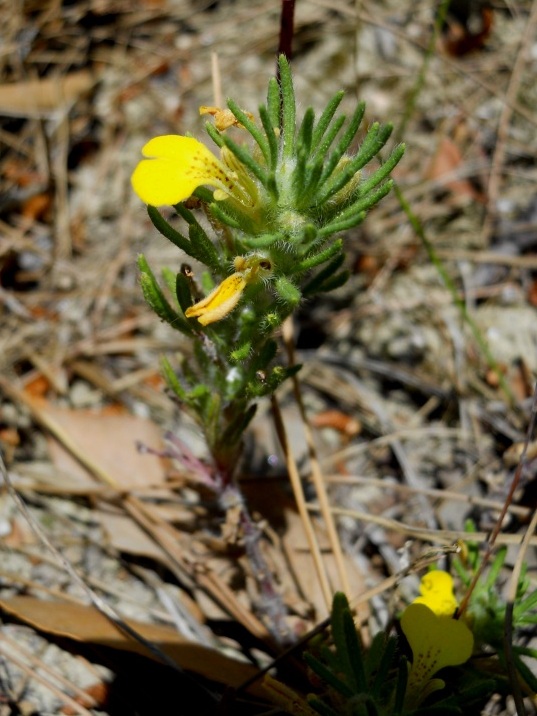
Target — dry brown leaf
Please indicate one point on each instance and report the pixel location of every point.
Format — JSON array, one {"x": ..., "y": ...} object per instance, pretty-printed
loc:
[
  {"x": 444, "y": 166},
  {"x": 86, "y": 624},
  {"x": 126, "y": 536},
  {"x": 302, "y": 564},
  {"x": 109, "y": 441},
  {"x": 35, "y": 98}
]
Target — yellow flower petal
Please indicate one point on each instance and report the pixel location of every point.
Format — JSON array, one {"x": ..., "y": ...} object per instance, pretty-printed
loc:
[
  {"x": 219, "y": 302},
  {"x": 436, "y": 642},
  {"x": 174, "y": 168},
  {"x": 437, "y": 593}
]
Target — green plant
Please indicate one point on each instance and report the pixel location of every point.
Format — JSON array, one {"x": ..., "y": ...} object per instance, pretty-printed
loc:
[{"x": 268, "y": 240}]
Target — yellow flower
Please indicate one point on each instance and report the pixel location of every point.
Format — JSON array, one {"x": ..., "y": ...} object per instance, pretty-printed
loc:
[
  {"x": 437, "y": 593},
  {"x": 223, "y": 299},
  {"x": 176, "y": 166},
  {"x": 436, "y": 642},
  {"x": 219, "y": 302}
]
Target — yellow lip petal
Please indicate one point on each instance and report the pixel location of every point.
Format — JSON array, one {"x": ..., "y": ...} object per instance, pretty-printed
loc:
[
  {"x": 174, "y": 167},
  {"x": 221, "y": 301}
]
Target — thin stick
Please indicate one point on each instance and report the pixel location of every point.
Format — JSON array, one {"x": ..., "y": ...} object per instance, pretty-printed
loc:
[
  {"x": 422, "y": 533},
  {"x": 316, "y": 473},
  {"x": 302, "y": 507},
  {"x": 217, "y": 80}
]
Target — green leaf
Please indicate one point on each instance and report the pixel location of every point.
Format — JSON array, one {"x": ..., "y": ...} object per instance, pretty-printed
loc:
[
  {"x": 271, "y": 136},
  {"x": 321, "y": 707},
  {"x": 343, "y": 224},
  {"x": 182, "y": 291},
  {"x": 324, "y": 146},
  {"x": 168, "y": 277},
  {"x": 345, "y": 141},
  {"x": 526, "y": 673},
  {"x": 326, "y": 117},
  {"x": 156, "y": 299},
  {"x": 234, "y": 431},
  {"x": 172, "y": 381},
  {"x": 386, "y": 169},
  {"x": 348, "y": 647},
  {"x": 336, "y": 281},
  {"x": 273, "y": 103},
  {"x": 251, "y": 127},
  {"x": 288, "y": 107},
  {"x": 204, "y": 248},
  {"x": 386, "y": 648},
  {"x": 245, "y": 158},
  {"x": 305, "y": 133},
  {"x": 263, "y": 241},
  {"x": 315, "y": 284},
  {"x": 214, "y": 134},
  {"x": 359, "y": 206},
  {"x": 327, "y": 676},
  {"x": 160, "y": 223},
  {"x": 287, "y": 291},
  {"x": 319, "y": 258}
]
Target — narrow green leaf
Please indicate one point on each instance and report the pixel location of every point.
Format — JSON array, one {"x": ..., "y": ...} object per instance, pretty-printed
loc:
[
  {"x": 204, "y": 248},
  {"x": 287, "y": 291},
  {"x": 339, "y": 279},
  {"x": 172, "y": 381},
  {"x": 321, "y": 707},
  {"x": 387, "y": 167},
  {"x": 324, "y": 146},
  {"x": 224, "y": 217},
  {"x": 288, "y": 107},
  {"x": 345, "y": 141},
  {"x": 380, "y": 680},
  {"x": 168, "y": 277},
  {"x": 400, "y": 688},
  {"x": 315, "y": 284},
  {"x": 160, "y": 223},
  {"x": 214, "y": 134},
  {"x": 344, "y": 224},
  {"x": 348, "y": 647},
  {"x": 252, "y": 128},
  {"x": 234, "y": 431},
  {"x": 327, "y": 675},
  {"x": 182, "y": 291},
  {"x": 271, "y": 136},
  {"x": 326, "y": 117},
  {"x": 157, "y": 301},
  {"x": 273, "y": 102},
  {"x": 305, "y": 133},
  {"x": 244, "y": 157},
  {"x": 319, "y": 258}
]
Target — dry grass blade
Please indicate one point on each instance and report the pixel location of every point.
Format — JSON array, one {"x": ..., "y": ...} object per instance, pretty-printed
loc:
[
  {"x": 302, "y": 506},
  {"x": 316, "y": 472}
]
